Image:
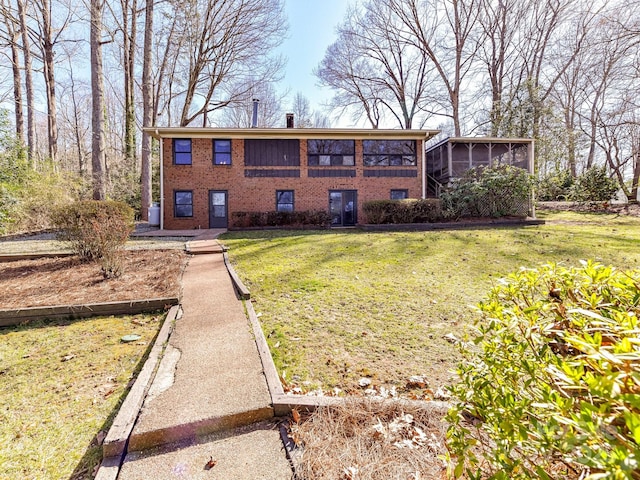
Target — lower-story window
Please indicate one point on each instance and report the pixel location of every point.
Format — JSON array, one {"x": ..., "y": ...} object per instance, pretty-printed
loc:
[
  {"x": 183, "y": 203},
  {"x": 284, "y": 200},
  {"x": 399, "y": 194}
]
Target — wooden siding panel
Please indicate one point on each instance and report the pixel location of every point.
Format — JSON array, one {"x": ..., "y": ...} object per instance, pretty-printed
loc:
[
  {"x": 391, "y": 173},
  {"x": 260, "y": 173},
  {"x": 271, "y": 153},
  {"x": 331, "y": 173}
]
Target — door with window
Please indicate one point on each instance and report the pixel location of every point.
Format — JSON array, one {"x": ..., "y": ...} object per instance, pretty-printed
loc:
[
  {"x": 343, "y": 208},
  {"x": 218, "y": 209}
]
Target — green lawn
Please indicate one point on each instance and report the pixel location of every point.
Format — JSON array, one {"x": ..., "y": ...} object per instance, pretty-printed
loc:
[
  {"x": 340, "y": 305},
  {"x": 60, "y": 385}
]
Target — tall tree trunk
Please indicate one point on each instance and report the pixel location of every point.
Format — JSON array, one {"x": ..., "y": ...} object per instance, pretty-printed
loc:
[
  {"x": 98, "y": 161},
  {"x": 49, "y": 79},
  {"x": 28, "y": 75},
  {"x": 14, "y": 36},
  {"x": 76, "y": 122},
  {"x": 147, "y": 113},
  {"x": 129, "y": 48}
]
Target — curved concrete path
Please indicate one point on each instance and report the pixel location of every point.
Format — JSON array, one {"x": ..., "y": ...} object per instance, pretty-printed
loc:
[{"x": 209, "y": 399}]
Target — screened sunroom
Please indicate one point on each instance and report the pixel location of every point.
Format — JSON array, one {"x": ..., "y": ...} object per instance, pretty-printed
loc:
[{"x": 452, "y": 157}]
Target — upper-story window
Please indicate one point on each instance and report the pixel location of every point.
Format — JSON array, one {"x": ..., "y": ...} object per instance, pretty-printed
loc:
[
  {"x": 389, "y": 152},
  {"x": 331, "y": 152},
  {"x": 182, "y": 151},
  {"x": 222, "y": 152}
]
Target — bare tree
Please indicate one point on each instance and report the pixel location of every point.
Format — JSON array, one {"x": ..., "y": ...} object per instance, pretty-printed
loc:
[
  {"x": 226, "y": 51},
  {"x": 385, "y": 71},
  {"x": 28, "y": 73},
  {"x": 301, "y": 109},
  {"x": 47, "y": 38},
  {"x": 98, "y": 162},
  {"x": 128, "y": 30},
  {"x": 11, "y": 37},
  {"x": 147, "y": 112},
  {"x": 496, "y": 39},
  {"x": 343, "y": 70},
  {"x": 270, "y": 112},
  {"x": 442, "y": 30}
]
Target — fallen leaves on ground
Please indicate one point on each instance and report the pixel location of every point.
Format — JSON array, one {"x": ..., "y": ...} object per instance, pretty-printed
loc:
[
  {"x": 67, "y": 281},
  {"x": 367, "y": 439}
]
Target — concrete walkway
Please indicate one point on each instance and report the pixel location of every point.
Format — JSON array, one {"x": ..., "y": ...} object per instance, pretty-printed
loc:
[{"x": 209, "y": 399}]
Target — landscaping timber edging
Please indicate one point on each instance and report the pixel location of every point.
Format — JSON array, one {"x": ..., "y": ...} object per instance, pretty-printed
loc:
[
  {"x": 115, "y": 443},
  {"x": 282, "y": 402},
  {"x": 128, "y": 307},
  {"x": 242, "y": 290},
  {"x": 461, "y": 225},
  {"x": 16, "y": 257}
]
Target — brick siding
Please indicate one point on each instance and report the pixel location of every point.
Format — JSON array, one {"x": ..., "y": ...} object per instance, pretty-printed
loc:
[{"x": 255, "y": 193}]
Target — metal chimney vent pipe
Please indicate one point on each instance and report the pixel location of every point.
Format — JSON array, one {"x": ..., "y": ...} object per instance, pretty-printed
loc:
[
  {"x": 289, "y": 120},
  {"x": 254, "y": 118}
]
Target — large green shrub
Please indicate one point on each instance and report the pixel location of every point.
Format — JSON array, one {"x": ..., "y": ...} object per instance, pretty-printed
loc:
[
  {"x": 499, "y": 191},
  {"x": 96, "y": 231},
  {"x": 552, "y": 388},
  {"x": 555, "y": 186},
  {"x": 594, "y": 185},
  {"x": 402, "y": 211}
]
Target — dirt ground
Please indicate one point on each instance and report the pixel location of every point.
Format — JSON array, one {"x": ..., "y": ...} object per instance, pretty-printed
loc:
[{"x": 67, "y": 281}]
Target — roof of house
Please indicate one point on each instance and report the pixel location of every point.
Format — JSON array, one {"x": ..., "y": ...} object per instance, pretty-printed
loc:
[
  {"x": 283, "y": 133},
  {"x": 479, "y": 140}
]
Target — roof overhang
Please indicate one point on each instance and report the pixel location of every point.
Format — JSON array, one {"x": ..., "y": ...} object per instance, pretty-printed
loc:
[
  {"x": 480, "y": 140},
  {"x": 293, "y": 133}
]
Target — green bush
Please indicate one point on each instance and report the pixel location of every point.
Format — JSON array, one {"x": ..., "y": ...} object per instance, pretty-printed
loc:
[
  {"x": 499, "y": 191},
  {"x": 306, "y": 218},
  {"x": 552, "y": 387},
  {"x": 555, "y": 186},
  {"x": 594, "y": 185},
  {"x": 402, "y": 211},
  {"x": 96, "y": 231}
]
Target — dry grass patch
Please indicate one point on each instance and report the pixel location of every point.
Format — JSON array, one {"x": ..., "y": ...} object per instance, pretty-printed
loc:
[
  {"x": 67, "y": 281},
  {"x": 370, "y": 440}
]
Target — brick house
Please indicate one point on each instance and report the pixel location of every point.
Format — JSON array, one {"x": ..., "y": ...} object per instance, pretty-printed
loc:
[{"x": 207, "y": 174}]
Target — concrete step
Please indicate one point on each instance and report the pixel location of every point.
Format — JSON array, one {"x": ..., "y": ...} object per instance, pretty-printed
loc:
[{"x": 253, "y": 452}]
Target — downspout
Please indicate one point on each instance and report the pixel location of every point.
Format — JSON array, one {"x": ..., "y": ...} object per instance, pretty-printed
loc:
[
  {"x": 423, "y": 161},
  {"x": 161, "y": 181}
]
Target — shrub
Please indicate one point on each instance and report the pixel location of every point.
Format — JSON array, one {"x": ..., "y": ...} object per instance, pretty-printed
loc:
[
  {"x": 427, "y": 210},
  {"x": 96, "y": 231},
  {"x": 376, "y": 211},
  {"x": 499, "y": 191},
  {"x": 402, "y": 211},
  {"x": 594, "y": 185},
  {"x": 553, "y": 388},
  {"x": 555, "y": 186},
  {"x": 313, "y": 218}
]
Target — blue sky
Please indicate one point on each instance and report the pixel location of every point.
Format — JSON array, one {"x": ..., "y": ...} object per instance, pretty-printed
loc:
[{"x": 312, "y": 25}]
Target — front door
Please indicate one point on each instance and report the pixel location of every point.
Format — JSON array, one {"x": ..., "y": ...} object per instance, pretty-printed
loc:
[
  {"x": 218, "y": 209},
  {"x": 343, "y": 208}
]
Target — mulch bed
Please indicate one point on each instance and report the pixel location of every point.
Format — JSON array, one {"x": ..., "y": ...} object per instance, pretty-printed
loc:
[{"x": 67, "y": 281}]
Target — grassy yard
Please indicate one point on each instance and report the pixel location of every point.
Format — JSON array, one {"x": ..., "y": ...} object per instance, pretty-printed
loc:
[
  {"x": 60, "y": 385},
  {"x": 337, "y": 306}
]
